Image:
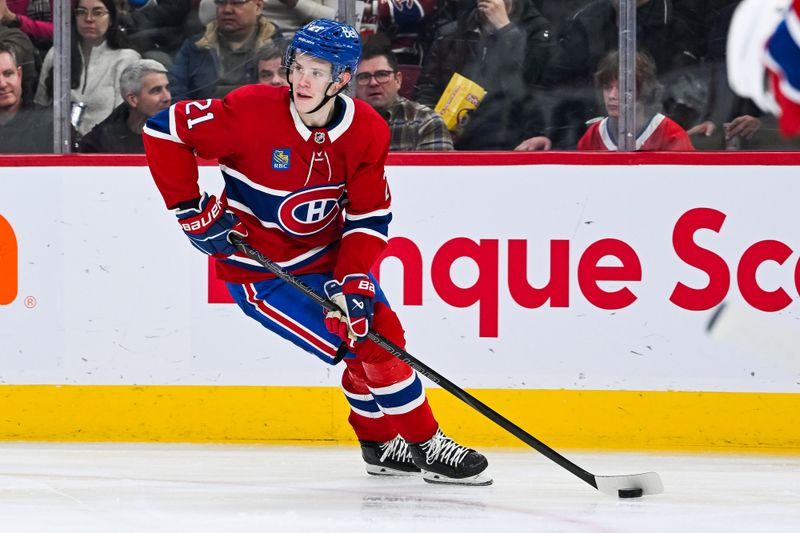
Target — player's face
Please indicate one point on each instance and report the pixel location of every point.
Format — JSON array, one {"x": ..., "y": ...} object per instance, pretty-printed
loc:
[
  {"x": 10, "y": 83},
  {"x": 611, "y": 98},
  {"x": 377, "y": 83},
  {"x": 311, "y": 80},
  {"x": 92, "y": 20},
  {"x": 271, "y": 73},
  {"x": 154, "y": 95}
]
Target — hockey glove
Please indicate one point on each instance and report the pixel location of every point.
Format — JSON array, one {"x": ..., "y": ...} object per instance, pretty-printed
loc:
[
  {"x": 354, "y": 297},
  {"x": 207, "y": 225}
]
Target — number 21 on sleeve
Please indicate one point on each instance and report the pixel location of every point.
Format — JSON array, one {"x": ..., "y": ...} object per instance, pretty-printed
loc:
[{"x": 200, "y": 106}]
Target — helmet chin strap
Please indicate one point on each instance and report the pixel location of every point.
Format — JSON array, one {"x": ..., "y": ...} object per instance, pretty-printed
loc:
[{"x": 325, "y": 98}]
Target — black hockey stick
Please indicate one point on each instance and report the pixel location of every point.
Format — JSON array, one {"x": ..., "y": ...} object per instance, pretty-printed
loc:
[{"x": 628, "y": 486}]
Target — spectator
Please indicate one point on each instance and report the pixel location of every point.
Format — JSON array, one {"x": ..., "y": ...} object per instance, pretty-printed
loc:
[
  {"x": 145, "y": 91},
  {"x": 655, "y": 131},
  {"x": 413, "y": 126},
  {"x": 98, "y": 59},
  {"x": 223, "y": 58},
  {"x": 666, "y": 29},
  {"x": 737, "y": 116},
  {"x": 271, "y": 71},
  {"x": 155, "y": 26},
  {"x": 592, "y": 32},
  {"x": 33, "y": 17},
  {"x": 496, "y": 44},
  {"x": 781, "y": 63},
  {"x": 27, "y": 58},
  {"x": 400, "y": 24},
  {"x": 23, "y": 129},
  {"x": 288, "y": 15}
]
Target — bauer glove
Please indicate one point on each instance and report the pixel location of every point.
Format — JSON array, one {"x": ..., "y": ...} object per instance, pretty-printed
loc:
[
  {"x": 354, "y": 297},
  {"x": 207, "y": 225}
]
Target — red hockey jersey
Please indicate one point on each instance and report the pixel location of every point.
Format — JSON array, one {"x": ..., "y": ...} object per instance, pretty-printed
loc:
[
  {"x": 782, "y": 60},
  {"x": 661, "y": 133},
  {"x": 312, "y": 200}
]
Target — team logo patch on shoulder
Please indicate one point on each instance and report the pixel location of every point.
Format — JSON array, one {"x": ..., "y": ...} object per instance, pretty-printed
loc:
[{"x": 280, "y": 158}]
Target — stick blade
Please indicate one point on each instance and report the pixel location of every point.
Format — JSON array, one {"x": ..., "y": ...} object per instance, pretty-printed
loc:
[{"x": 649, "y": 482}]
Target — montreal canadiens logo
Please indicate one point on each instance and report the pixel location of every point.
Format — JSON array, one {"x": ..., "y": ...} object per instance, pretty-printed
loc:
[{"x": 310, "y": 211}]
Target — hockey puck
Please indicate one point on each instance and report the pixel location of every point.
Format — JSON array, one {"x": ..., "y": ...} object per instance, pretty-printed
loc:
[{"x": 630, "y": 493}]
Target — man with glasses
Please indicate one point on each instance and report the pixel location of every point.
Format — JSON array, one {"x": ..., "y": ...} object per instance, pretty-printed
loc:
[
  {"x": 223, "y": 58},
  {"x": 413, "y": 126}
]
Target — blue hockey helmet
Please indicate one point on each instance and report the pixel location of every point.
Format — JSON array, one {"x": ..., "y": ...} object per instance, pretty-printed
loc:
[{"x": 329, "y": 40}]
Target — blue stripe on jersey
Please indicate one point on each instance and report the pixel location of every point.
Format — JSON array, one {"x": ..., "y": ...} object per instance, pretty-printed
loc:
[
  {"x": 261, "y": 203},
  {"x": 160, "y": 122},
  {"x": 370, "y": 406},
  {"x": 402, "y": 397},
  {"x": 784, "y": 50},
  {"x": 379, "y": 224}
]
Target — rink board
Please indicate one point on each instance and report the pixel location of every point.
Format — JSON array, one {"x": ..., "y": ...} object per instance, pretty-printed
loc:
[
  {"x": 625, "y": 420},
  {"x": 112, "y": 328}
]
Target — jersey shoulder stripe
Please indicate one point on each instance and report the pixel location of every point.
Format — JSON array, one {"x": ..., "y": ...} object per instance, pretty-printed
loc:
[{"x": 162, "y": 125}]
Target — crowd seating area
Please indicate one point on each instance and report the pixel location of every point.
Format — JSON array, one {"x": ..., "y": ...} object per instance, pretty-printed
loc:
[{"x": 546, "y": 68}]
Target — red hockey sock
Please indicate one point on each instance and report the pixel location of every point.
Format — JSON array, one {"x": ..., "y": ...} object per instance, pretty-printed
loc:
[
  {"x": 366, "y": 418},
  {"x": 394, "y": 385}
]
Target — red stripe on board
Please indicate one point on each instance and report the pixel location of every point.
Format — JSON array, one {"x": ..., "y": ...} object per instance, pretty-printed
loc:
[
  {"x": 287, "y": 324},
  {"x": 720, "y": 158}
]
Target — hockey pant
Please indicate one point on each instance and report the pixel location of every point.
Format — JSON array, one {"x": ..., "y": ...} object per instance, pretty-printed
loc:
[{"x": 386, "y": 395}]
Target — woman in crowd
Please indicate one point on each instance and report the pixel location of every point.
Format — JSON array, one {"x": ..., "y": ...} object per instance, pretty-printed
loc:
[{"x": 98, "y": 59}]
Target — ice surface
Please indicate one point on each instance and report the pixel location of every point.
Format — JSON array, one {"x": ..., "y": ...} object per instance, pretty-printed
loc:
[{"x": 56, "y": 487}]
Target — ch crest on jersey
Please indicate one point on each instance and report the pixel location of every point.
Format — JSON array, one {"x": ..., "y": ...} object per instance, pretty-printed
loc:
[
  {"x": 310, "y": 211},
  {"x": 280, "y": 158}
]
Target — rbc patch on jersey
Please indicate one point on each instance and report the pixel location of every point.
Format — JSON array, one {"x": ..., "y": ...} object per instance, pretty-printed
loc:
[{"x": 280, "y": 158}]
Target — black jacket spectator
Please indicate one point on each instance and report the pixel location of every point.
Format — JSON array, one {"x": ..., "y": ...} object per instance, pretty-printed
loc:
[
  {"x": 156, "y": 25},
  {"x": 113, "y": 135},
  {"x": 670, "y": 36},
  {"x": 506, "y": 63}
]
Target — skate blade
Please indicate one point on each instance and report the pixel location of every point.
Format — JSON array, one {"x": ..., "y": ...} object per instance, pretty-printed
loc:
[
  {"x": 374, "y": 470},
  {"x": 479, "y": 480}
]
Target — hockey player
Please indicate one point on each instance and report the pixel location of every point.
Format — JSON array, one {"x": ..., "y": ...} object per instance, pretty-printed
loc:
[
  {"x": 654, "y": 131},
  {"x": 764, "y": 57},
  {"x": 304, "y": 182},
  {"x": 783, "y": 64}
]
